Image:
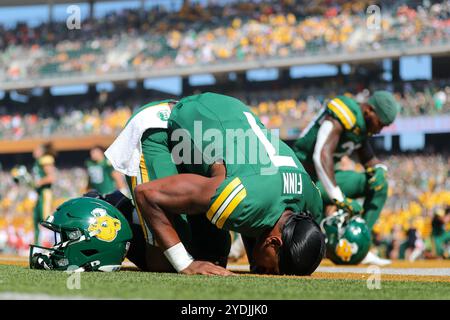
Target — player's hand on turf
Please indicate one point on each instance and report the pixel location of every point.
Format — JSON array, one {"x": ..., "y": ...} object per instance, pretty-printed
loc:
[
  {"x": 349, "y": 205},
  {"x": 377, "y": 177},
  {"x": 206, "y": 268}
]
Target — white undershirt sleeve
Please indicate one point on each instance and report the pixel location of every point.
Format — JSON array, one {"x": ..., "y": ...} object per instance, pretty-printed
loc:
[{"x": 333, "y": 191}]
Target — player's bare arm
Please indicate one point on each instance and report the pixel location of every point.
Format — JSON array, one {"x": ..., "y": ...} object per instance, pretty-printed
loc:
[
  {"x": 327, "y": 141},
  {"x": 160, "y": 199}
]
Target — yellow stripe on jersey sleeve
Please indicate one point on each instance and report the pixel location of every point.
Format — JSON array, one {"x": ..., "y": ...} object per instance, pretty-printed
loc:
[
  {"x": 221, "y": 198},
  {"x": 230, "y": 208},
  {"x": 343, "y": 112},
  {"x": 144, "y": 171},
  {"x": 141, "y": 219}
]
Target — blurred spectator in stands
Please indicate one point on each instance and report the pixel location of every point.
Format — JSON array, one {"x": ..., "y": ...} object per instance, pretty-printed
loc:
[{"x": 441, "y": 233}]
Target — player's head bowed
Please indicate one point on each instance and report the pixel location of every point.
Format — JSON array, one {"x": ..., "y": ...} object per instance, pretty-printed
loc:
[
  {"x": 380, "y": 111},
  {"x": 303, "y": 245},
  {"x": 295, "y": 246}
]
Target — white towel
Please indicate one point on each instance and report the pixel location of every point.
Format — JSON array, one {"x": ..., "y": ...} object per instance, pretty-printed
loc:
[{"x": 125, "y": 152}]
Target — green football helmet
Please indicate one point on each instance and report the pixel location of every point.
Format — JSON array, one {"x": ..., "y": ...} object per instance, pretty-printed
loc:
[
  {"x": 90, "y": 235},
  {"x": 348, "y": 238}
]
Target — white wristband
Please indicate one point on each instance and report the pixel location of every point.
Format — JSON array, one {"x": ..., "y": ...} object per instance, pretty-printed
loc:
[{"x": 178, "y": 257}]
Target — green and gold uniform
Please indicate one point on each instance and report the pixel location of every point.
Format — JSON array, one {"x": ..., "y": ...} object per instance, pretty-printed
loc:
[
  {"x": 264, "y": 178},
  {"x": 100, "y": 176},
  {"x": 156, "y": 163},
  {"x": 201, "y": 239},
  {"x": 43, "y": 207},
  {"x": 353, "y": 184}
]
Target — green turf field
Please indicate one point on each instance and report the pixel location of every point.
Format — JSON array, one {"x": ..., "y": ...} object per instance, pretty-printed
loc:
[{"x": 142, "y": 285}]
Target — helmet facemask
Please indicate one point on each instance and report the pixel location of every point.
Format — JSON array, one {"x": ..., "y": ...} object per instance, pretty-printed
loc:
[{"x": 57, "y": 257}]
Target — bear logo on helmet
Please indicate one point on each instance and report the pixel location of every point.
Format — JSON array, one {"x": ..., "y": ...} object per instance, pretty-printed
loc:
[
  {"x": 345, "y": 249},
  {"x": 103, "y": 226}
]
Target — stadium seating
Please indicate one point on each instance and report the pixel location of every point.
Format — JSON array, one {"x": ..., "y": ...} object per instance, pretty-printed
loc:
[{"x": 135, "y": 40}]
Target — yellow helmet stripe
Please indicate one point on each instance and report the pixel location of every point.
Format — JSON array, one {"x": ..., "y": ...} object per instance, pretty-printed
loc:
[
  {"x": 230, "y": 208},
  {"x": 221, "y": 198},
  {"x": 343, "y": 112}
]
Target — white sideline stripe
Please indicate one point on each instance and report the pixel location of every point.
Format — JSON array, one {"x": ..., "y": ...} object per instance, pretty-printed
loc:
[
  {"x": 393, "y": 271},
  {"x": 41, "y": 296}
]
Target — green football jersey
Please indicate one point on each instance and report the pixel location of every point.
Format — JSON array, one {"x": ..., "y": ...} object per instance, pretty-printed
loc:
[
  {"x": 264, "y": 178},
  {"x": 38, "y": 169},
  {"x": 100, "y": 176},
  {"x": 348, "y": 112}
]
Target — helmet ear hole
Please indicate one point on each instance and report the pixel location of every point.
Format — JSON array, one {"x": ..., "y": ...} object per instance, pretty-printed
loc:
[{"x": 89, "y": 252}]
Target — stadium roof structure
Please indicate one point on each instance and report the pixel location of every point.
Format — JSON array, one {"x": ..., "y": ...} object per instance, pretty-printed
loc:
[{"x": 15, "y": 3}]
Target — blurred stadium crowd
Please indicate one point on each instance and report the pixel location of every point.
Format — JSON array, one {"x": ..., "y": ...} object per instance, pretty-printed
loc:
[
  {"x": 414, "y": 224},
  {"x": 292, "y": 107},
  {"x": 158, "y": 38}
]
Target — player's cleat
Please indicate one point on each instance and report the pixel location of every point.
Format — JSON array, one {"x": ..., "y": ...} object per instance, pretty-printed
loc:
[{"x": 372, "y": 258}]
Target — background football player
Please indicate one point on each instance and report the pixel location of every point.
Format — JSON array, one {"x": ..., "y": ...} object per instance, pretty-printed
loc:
[
  {"x": 43, "y": 172},
  {"x": 101, "y": 174},
  {"x": 342, "y": 127}
]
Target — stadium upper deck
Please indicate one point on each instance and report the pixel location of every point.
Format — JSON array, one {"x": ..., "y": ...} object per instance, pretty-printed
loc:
[{"x": 135, "y": 44}]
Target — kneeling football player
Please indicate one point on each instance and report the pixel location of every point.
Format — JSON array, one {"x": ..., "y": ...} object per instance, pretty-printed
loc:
[
  {"x": 342, "y": 127},
  {"x": 270, "y": 200}
]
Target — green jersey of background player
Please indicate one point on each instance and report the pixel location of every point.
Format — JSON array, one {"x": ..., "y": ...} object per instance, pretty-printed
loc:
[
  {"x": 100, "y": 173},
  {"x": 342, "y": 127},
  {"x": 245, "y": 180}
]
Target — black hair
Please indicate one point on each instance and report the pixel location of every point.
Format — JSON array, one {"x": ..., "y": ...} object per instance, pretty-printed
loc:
[
  {"x": 48, "y": 149},
  {"x": 100, "y": 147},
  {"x": 303, "y": 245}
]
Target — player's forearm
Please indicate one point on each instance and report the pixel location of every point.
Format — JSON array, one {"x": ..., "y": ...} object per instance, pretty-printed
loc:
[
  {"x": 323, "y": 161},
  {"x": 164, "y": 232}
]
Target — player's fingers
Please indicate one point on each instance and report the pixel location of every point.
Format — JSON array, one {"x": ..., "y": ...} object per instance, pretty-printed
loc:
[
  {"x": 223, "y": 272},
  {"x": 220, "y": 270}
]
